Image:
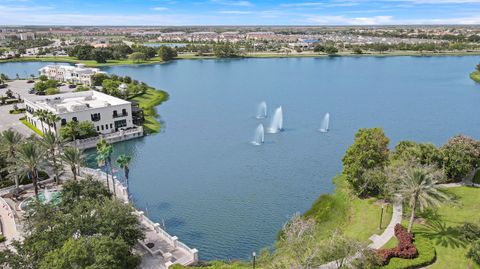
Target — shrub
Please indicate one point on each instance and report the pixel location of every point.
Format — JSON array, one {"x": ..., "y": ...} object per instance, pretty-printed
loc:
[
  {"x": 426, "y": 256},
  {"x": 405, "y": 248},
  {"x": 2, "y": 238},
  {"x": 469, "y": 232},
  {"x": 474, "y": 252},
  {"x": 52, "y": 91}
]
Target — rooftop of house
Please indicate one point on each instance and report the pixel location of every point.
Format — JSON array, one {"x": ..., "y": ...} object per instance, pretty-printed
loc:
[
  {"x": 75, "y": 102},
  {"x": 78, "y": 68}
]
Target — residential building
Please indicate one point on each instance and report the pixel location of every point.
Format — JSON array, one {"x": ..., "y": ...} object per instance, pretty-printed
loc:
[
  {"x": 77, "y": 74},
  {"x": 108, "y": 114}
]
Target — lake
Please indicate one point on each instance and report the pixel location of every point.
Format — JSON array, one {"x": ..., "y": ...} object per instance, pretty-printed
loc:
[{"x": 217, "y": 192}]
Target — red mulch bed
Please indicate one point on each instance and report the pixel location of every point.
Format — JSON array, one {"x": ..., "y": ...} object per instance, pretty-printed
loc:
[{"x": 405, "y": 248}]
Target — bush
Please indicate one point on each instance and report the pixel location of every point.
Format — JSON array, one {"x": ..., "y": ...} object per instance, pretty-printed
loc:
[
  {"x": 469, "y": 232},
  {"x": 2, "y": 238},
  {"x": 474, "y": 252},
  {"x": 16, "y": 111},
  {"x": 426, "y": 256},
  {"x": 52, "y": 91},
  {"x": 405, "y": 248}
]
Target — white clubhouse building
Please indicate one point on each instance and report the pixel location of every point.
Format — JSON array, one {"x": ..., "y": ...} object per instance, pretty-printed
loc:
[
  {"x": 109, "y": 114},
  {"x": 78, "y": 74}
]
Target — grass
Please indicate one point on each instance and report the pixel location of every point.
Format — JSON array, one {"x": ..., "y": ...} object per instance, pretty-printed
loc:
[
  {"x": 90, "y": 63},
  {"x": 31, "y": 126},
  {"x": 343, "y": 211},
  {"x": 475, "y": 75},
  {"x": 438, "y": 227},
  {"x": 476, "y": 178},
  {"x": 148, "y": 101}
]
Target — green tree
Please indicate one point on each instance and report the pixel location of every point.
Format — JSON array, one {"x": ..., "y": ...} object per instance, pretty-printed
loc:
[
  {"x": 138, "y": 57},
  {"x": 101, "y": 55},
  {"x": 104, "y": 155},
  {"x": 86, "y": 129},
  {"x": 73, "y": 192},
  {"x": 52, "y": 120},
  {"x": 225, "y": 50},
  {"x": 124, "y": 162},
  {"x": 73, "y": 157},
  {"x": 419, "y": 153},
  {"x": 53, "y": 144},
  {"x": 43, "y": 78},
  {"x": 474, "y": 252},
  {"x": 331, "y": 50},
  {"x": 418, "y": 188},
  {"x": 70, "y": 131},
  {"x": 29, "y": 160},
  {"x": 369, "y": 151},
  {"x": 98, "y": 79},
  {"x": 357, "y": 50},
  {"x": 167, "y": 53},
  {"x": 10, "y": 141},
  {"x": 319, "y": 48},
  {"x": 460, "y": 155},
  {"x": 91, "y": 252}
]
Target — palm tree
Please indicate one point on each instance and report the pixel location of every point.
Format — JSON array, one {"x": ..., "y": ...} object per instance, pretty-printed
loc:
[
  {"x": 104, "y": 151},
  {"x": 42, "y": 117},
  {"x": 419, "y": 188},
  {"x": 29, "y": 160},
  {"x": 53, "y": 144},
  {"x": 71, "y": 129},
  {"x": 124, "y": 161},
  {"x": 11, "y": 140},
  {"x": 52, "y": 120},
  {"x": 74, "y": 158}
]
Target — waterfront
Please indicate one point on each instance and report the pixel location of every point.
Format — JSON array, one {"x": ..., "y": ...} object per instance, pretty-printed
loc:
[{"x": 226, "y": 197}]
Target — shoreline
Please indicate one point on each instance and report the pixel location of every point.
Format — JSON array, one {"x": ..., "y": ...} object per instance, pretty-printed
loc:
[{"x": 190, "y": 56}]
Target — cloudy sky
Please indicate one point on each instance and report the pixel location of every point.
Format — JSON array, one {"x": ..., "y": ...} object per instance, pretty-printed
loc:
[{"x": 234, "y": 12}]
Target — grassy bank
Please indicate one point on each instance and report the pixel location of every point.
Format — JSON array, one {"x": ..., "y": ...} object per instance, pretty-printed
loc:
[
  {"x": 475, "y": 76},
  {"x": 340, "y": 211},
  {"x": 148, "y": 101},
  {"x": 90, "y": 63},
  {"x": 31, "y": 126}
]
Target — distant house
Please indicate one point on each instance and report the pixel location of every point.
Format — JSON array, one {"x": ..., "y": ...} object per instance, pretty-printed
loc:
[{"x": 78, "y": 74}]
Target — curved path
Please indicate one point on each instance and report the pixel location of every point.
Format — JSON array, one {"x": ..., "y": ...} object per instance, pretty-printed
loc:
[{"x": 377, "y": 240}]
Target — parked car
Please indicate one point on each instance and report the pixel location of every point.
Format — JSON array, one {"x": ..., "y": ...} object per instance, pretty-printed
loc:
[
  {"x": 72, "y": 86},
  {"x": 32, "y": 91}
]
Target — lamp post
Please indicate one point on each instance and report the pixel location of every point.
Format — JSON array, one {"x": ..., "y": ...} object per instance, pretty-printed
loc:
[
  {"x": 254, "y": 255},
  {"x": 381, "y": 216}
]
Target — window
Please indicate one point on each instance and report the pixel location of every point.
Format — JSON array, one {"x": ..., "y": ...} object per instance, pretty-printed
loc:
[
  {"x": 98, "y": 128},
  {"x": 64, "y": 122},
  {"x": 106, "y": 126},
  {"x": 115, "y": 114},
  {"x": 102, "y": 127},
  {"x": 124, "y": 112},
  {"x": 120, "y": 123},
  {"x": 111, "y": 126},
  {"x": 74, "y": 119},
  {"x": 95, "y": 116}
]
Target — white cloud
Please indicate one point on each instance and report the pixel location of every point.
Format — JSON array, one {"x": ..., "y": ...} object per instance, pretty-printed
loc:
[
  {"x": 235, "y": 12},
  {"x": 343, "y": 20},
  {"x": 233, "y": 3},
  {"x": 159, "y": 8}
]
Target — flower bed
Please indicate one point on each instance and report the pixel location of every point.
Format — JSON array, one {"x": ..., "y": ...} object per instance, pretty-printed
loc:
[{"x": 405, "y": 248}]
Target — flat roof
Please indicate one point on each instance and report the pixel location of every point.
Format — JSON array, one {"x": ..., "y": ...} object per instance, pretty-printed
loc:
[{"x": 75, "y": 102}]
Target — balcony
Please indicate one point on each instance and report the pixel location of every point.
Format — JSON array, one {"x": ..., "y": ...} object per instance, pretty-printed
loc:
[{"x": 116, "y": 115}]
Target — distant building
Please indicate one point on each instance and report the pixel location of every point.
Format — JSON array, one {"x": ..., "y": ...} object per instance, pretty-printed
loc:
[
  {"x": 109, "y": 114},
  {"x": 73, "y": 74},
  {"x": 26, "y": 36}
]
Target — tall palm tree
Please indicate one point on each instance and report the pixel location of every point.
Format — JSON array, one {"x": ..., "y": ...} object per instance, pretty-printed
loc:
[
  {"x": 29, "y": 160},
  {"x": 104, "y": 151},
  {"x": 53, "y": 144},
  {"x": 418, "y": 187},
  {"x": 52, "y": 120},
  {"x": 124, "y": 161},
  {"x": 42, "y": 117},
  {"x": 71, "y": 129},
  {"x": 11, "y": 140},
  {"x": 74, "y": 158}
]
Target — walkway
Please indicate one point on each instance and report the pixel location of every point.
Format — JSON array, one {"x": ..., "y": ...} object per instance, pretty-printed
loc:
[
  {"x": 8, "y": 225},
  {"x": 377, "y": 240}
]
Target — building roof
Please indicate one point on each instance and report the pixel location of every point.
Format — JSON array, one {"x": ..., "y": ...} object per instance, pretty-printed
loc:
[{"x": 75, "y": 102}]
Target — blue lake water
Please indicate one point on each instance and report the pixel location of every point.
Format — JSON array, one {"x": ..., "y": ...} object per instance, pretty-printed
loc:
[{"x": 211, "y": 187}]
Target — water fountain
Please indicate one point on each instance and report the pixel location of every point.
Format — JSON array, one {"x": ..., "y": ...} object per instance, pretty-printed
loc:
[
  {"x": 277, "y": 121},
  {"x": 325, "y": 127},
  {"x": 262, "y": 110},
  {"x": 48, "y": 196},
  {"x": 259, "y": 136}
]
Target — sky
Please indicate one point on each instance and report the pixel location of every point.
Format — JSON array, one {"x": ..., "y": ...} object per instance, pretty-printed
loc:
[{"x": 238, "y": 12}]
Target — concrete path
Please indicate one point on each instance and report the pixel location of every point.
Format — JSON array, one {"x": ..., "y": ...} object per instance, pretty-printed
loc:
[
  {"x": 377, "y": 240},
  {"x": 7, "y": 218}
]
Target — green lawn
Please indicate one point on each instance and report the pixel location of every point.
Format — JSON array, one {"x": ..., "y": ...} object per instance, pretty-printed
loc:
[
  {"x": 32, "y": 127},
  {"x": 90, "y": 63},
  {"x": 148, "y": 101},
  {"x": 475, "y": 76}
]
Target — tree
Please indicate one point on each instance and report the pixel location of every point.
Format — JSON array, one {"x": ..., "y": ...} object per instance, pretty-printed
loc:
[
  {"x": 53, "y": 144},
  {"x": 319, "y": 48},
  {"x": 167, "y": 53},
  {"x": 74, "y": 192},
  {"x": 11, "y": 140},
  {"x": 331, "y": 50},
  {"x": 460, "y": 156},
  {"x": 357, "y": 50},
  {"x": 124, "y": 161},
  {"x": 86, "y": 129},
  {"x": 70, "y": 130},
  {"x": 138, "y": 57},
  {"x": 52, "y": 120},
  {"x": 369, "y": 151},
  {"x": 418, "y": 188},
  {"x": 91, "y": 252},
  {"x": 419, "y": 153},
  {"x": 104, "y": 155},
  {"x": 98, "y": 79},
  {"x": 43, "y": 78},
  {"x": 225, "y": 50},
  {"x": 474, "y": 252},
  {"x": 73, "y": 157},
  {"x": 101, "y": 55},
  {"x": 29, "y": 160}
]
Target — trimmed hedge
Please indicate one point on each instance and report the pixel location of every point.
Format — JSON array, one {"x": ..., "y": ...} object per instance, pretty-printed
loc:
[
  {"x": 426, "y": 256},
  {"x": 405, "y": 248}
]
